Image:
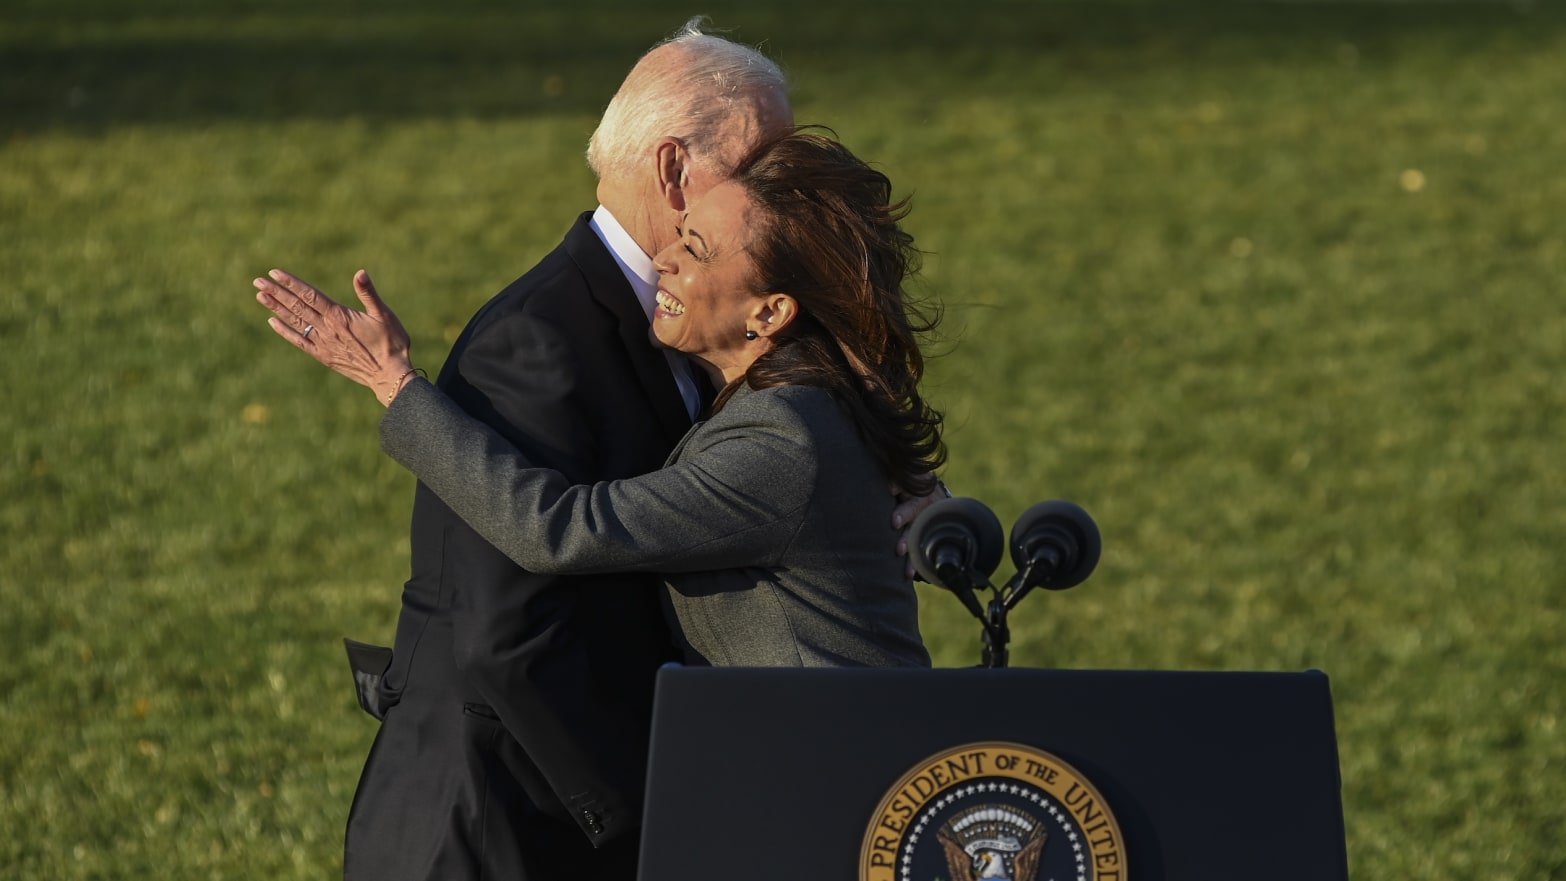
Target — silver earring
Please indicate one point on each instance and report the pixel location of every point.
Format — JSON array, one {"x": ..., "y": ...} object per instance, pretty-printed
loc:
[{"x": 750, "y": 334}]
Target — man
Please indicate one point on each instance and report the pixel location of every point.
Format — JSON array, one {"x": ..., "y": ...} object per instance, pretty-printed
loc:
[{"x": 516, "y": 707}]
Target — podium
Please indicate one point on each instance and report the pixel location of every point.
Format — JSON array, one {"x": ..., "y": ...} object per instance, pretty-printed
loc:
[{"x": 779, "y": 773}]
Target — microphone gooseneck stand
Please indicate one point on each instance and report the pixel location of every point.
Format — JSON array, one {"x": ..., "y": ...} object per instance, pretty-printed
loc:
[
  {"x": 997, "y": 632},
  {"x": 963, "y": 581}
]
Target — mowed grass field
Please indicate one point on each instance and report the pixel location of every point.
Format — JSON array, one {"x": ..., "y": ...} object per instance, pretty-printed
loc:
[{"x": 1274, "y": 290}]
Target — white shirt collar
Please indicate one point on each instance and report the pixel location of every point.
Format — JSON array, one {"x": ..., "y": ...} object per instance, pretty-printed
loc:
[
  {"x": 642, "y": 275},
  {"x": 633, "y": 261}
]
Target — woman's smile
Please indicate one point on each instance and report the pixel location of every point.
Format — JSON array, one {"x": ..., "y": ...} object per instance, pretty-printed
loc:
[{"x": 668, "y": 304}]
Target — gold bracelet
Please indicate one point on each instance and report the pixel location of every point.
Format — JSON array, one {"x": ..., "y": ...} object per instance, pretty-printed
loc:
[{"x": 401, "y": 380}]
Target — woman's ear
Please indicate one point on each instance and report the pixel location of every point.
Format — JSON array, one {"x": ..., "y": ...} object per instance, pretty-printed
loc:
[
  {"x": 774, "y": 312},
  {"x": 672, "y": 163}
]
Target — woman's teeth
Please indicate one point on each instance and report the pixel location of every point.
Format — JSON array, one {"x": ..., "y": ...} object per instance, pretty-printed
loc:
[{"x": 669, "y": 304}]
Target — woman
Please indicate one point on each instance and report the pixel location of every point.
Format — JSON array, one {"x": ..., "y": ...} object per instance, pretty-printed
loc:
[{"x": 786, "y": 287}]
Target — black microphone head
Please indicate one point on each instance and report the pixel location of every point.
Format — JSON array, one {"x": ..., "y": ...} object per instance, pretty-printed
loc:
[
  {"x": 1063, "y": 530},
  {"x": 963, "y": 526}
]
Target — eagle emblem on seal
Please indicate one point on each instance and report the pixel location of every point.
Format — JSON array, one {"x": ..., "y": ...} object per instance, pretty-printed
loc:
[{"x": 992, "y": 842}]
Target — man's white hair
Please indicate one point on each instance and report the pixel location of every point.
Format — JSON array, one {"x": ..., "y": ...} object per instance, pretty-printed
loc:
[{"x": 710, "y": 93}]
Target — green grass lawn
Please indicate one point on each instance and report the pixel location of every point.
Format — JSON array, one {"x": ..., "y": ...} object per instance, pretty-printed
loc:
[{"x": 1271, "y": 289}]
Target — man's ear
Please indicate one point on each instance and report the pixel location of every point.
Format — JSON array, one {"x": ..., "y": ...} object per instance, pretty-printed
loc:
[
  {"x": 774, "y": 312},
  {"x": 672, "y": 170}
]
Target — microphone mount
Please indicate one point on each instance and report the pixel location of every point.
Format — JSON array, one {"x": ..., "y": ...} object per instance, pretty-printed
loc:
[{"x": 1054, "y": 545}]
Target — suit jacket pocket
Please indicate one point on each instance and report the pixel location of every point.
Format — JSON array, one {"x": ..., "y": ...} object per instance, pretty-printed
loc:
[
  {"x": 482, "y": 711},
  {"x": 369, "y": 663}
]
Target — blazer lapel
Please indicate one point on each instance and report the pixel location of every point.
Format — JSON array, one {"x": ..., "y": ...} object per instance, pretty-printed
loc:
[
  {"x": 679, "y": 448},
  {"x": 613, "y": 292},
  {"x": 674, "y": 455}
]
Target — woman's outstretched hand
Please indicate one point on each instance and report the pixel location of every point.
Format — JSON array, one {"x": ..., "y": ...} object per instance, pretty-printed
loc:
[{"x": 369, "y": 347}]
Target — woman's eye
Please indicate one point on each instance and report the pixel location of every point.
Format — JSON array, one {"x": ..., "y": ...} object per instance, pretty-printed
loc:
[{"x": 691, "y": 252}]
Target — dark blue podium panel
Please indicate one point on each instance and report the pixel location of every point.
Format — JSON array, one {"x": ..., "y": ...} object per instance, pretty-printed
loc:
[{"x": 775, "y": 774}]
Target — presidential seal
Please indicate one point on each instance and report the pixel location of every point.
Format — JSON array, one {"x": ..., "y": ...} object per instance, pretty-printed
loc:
[{"x": 992, "y": 811}]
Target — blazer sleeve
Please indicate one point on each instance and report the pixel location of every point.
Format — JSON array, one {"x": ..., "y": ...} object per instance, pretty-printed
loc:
[{"x": 734, "y": 499}]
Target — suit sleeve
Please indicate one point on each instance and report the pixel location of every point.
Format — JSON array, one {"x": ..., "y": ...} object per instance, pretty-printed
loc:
[{"x": 732, "y": 501}]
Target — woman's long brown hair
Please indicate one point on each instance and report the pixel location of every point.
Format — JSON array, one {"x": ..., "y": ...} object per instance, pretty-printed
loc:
[{"x": 830, "y": 237}]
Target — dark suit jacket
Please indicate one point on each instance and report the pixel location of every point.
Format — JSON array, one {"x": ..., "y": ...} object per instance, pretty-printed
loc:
[
  {"x": 518, "y": 705},
  {"x": 771, "y": 522}
]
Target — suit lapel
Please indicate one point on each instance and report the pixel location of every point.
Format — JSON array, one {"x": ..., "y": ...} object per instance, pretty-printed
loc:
[{"x": 613, "y": 292}]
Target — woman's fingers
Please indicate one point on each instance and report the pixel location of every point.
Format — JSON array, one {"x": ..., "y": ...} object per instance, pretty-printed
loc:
[
  {"x": 293, "y": 319},
  {"x": 299, "y": 340},
  {"x": 285, "y": 304},
  {"x": 308, "y": 295}
]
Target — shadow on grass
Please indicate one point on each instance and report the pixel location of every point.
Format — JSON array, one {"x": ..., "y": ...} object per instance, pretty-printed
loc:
[{"x": 87, "y": 65}]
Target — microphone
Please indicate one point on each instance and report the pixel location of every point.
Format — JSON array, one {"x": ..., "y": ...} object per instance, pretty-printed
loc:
[
  {"x": 956, "y": 544},
  {"x": 1057, "y": 543}
]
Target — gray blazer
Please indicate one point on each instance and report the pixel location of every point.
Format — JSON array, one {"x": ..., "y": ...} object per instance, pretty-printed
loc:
[{"x": 771, "y": 522}]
